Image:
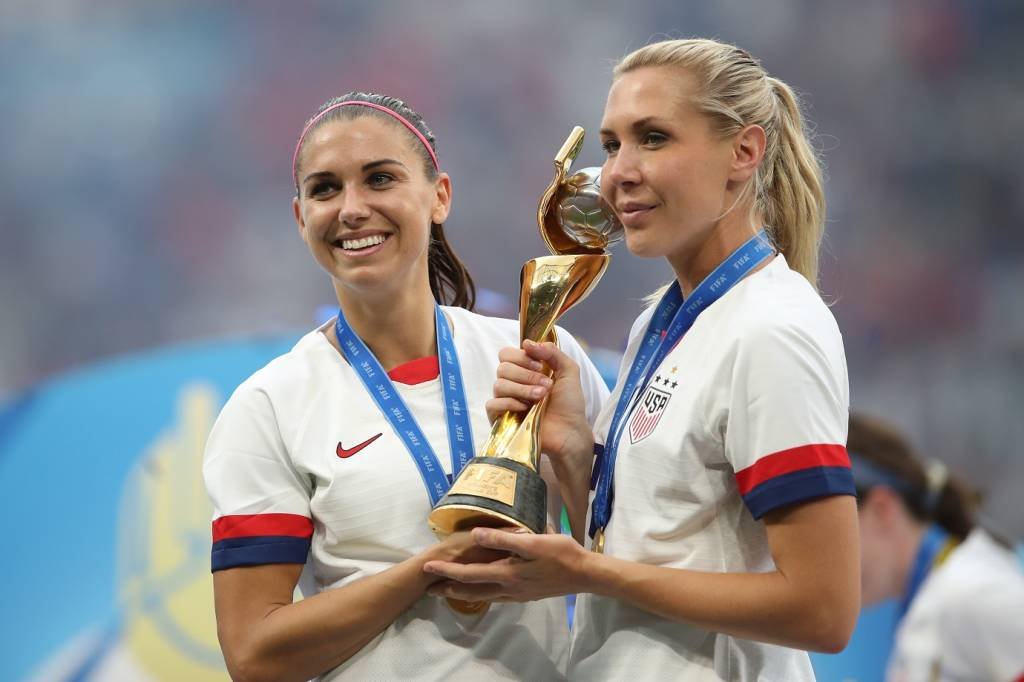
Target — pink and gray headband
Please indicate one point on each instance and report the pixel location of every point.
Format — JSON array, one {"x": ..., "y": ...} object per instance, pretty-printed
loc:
[{"x": 395, "y": 115}]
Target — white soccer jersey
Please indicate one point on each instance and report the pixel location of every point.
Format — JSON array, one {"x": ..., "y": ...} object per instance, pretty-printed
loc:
[
  {"x": 967, "y": 620},
  {"x": 746, "y": 414},
  {"x": 302, "y": 468}
]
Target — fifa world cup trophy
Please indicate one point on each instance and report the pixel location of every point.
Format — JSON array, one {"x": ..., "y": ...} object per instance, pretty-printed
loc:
[{"x": 501, "y": 486}]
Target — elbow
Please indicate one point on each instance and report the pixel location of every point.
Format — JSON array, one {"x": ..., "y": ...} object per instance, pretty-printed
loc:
[
  {"x": 245, "y": 664},
  {"x": 831, "y": 642},
  {"x": 243, "y": 668},
  {"x": 253, "y": 670},
  {"x": 833, "y": 627}
]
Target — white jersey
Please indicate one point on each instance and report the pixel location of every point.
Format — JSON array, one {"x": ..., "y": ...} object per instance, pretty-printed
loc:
[
  {"x": 748, "y": 413},
  {"x": 967, "y": 620},
  {"x": 302, "y": 467}
]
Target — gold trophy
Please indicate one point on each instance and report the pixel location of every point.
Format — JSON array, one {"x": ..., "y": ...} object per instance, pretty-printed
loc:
[{"x": 501, "y": 486}]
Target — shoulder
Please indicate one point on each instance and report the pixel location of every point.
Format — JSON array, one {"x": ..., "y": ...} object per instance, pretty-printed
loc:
[
  {"x": 777, "y": 310},
  {"x": 980, "y": 577},
  {"x": 291, "y": 374},
  {"x": 483, "y": 328},
  {"x": 973, "y": 602}
]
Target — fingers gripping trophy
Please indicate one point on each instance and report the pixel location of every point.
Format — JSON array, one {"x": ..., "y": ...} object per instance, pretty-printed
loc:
[{"x": 501, "y": 487}]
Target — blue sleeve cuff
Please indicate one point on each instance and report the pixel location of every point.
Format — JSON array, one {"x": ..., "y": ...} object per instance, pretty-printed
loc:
[
  {"x": 259, "y": 550},
  {"x": 799, "y": 486}
]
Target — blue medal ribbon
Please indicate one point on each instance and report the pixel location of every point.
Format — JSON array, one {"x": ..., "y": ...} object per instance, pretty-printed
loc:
[
  {"x": 671, "y": 320},
  {"x": 378, "y": 384},
  {"x": 935, "y": 544}
]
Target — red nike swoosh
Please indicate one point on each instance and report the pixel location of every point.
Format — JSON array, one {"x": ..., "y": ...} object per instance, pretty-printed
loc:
[{"x": 344, "y": 454}]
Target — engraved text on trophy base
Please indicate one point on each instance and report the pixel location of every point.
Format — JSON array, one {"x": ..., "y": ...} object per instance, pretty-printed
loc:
[{"x": 486, "y": 480}]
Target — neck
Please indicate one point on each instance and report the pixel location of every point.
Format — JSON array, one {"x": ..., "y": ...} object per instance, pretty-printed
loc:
[
  {"x": 693, "y": 264},
  {"x": 397, "y": 329},
  {"x": 906, "y": 556}
]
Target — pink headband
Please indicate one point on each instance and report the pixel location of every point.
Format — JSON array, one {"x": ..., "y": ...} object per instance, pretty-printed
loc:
[{"x": 398, "y": 117}]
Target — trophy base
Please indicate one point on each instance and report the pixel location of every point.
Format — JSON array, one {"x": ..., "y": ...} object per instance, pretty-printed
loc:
[
  {"x": 493, "y": 492},
  {"x": 469, "y": 608}
]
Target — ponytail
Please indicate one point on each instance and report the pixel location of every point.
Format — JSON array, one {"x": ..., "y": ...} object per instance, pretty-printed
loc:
[
  {"x": 880, "y": 455},
  {"x": 792, "y": 195},
  {"x": 449, "y": 280}
]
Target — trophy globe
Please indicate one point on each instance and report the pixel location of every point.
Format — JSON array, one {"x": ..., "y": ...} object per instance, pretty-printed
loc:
[{"x": 585, "y": 218}]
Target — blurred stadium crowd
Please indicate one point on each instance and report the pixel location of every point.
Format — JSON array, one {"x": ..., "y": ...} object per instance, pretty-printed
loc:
[{"x": 145, "y": 194}]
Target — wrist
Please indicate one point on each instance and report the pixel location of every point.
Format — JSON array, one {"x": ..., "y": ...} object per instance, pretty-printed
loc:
[
  {"x": 416, "y": 563},
  {"x": 576, "y": 453},
  {"x": 594, "y": 574}
]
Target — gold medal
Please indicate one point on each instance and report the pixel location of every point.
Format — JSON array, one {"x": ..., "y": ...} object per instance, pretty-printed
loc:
[
  {"x": 598, "y": 544},
  {"x": 468, "y": 608}
]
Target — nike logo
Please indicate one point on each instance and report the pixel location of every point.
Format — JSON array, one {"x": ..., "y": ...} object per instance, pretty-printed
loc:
[{"x": 345, "y": 454}]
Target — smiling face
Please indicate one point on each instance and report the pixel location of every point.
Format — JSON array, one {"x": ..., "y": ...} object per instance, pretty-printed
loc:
[
  {"x": 669, "y": 176},
  {"x": 365, "y": 207}
]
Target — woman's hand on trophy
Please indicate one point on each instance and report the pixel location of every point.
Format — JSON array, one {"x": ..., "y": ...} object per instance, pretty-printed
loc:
[
  {"x": 522, "y": 381},
  {"x": 539, "y": 566},
  {"x": 461, "y": 548}
]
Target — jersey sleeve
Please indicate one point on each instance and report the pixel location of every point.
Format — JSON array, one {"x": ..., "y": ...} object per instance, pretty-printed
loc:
[
  {"x": 788, "y": 417},
  {"x": 260, "y": 502},
  {"x": 595, "y": 391}
]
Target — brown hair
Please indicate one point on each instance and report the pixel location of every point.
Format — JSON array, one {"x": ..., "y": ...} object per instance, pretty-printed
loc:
[
  {"x": 927, "y": 490},
  {"x": 450, "y": 281},
  {"x": 736, "y": 91}
]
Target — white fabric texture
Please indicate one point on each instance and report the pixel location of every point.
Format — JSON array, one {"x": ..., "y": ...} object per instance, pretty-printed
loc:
[
  {"x": 273, "y": 451},
  {"x": 967, "y": 620},
  {"x": 751, "y": 414}
]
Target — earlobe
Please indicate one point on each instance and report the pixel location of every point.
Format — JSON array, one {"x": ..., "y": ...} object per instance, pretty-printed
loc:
[
  {"x": 748, "y": 151},
  {"x": 443, "y": 199},
  {"x": 297, "y": 211}
]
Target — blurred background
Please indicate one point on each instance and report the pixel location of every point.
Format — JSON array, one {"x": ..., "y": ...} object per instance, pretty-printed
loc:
[{"x": 150, "y": 260}]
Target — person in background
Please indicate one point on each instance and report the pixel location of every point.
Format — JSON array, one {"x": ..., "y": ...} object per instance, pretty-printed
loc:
[
  {"x": 724, "y": 502},
  {"x": 331, "y": 457},
  {"x": 960, "y": 586}
]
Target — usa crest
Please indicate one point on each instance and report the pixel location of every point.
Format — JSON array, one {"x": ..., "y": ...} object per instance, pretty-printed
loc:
[{"x": 648, "y": 413}]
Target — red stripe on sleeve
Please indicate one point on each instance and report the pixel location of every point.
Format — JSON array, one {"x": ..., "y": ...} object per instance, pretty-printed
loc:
[
  {"x": 788, "y": 461},
  {"x": 251, "y": 525}
]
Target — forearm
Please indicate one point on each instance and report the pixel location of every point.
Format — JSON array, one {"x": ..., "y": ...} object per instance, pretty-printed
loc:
[
  {"x": 573, "y": 469},
  {"x": 298, "y": 641},
  {"x": 766, "y": 607}
]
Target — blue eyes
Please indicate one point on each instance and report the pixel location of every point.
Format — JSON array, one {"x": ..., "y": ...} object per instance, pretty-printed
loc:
[{"x": 647, "y": 139}]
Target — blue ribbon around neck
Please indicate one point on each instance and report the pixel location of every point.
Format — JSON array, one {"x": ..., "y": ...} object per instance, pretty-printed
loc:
[
  {"x": 933, "y": 543},
  {"x": 401, "y": 419},
  {"x": 671, "y": 320}
]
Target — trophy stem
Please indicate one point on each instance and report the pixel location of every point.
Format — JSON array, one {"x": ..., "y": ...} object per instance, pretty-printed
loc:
[{"x": 549, "y": 286}]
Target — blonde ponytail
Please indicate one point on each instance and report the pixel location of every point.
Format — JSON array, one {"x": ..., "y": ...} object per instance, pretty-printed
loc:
[{"x": 792, "y": 195}]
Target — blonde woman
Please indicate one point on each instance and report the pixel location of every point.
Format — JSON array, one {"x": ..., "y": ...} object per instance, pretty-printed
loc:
[{"x": 723, "y": 527}]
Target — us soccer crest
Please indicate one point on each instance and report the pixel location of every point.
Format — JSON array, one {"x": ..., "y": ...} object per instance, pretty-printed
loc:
[{"x": 648, "y": 412}]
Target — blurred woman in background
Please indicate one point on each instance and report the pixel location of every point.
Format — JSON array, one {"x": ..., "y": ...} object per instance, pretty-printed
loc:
[
  {"x": 960, "y": 587},
  {"x": 331, "y": 457},
  {"x": 724, "y": 500}
]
